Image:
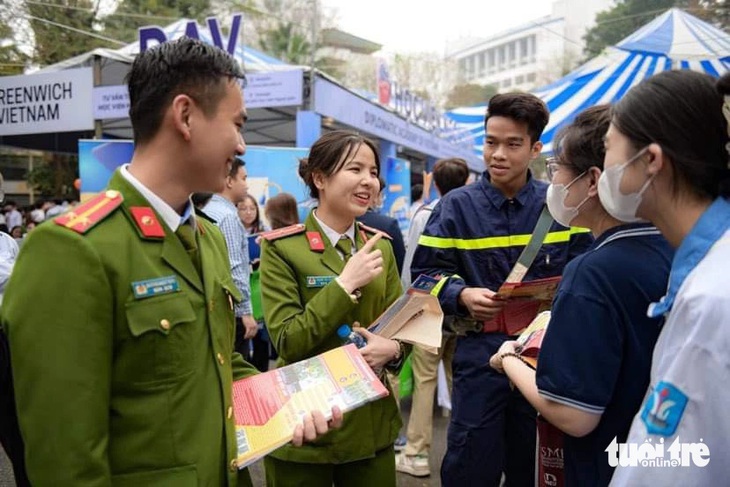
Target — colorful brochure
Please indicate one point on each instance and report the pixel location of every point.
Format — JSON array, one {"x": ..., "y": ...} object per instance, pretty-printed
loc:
[
  {"x": 269, "y": 406},
  {"x": 531, "y": 339}
]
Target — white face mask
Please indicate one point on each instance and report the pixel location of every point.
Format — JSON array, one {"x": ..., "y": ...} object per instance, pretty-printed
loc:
[
  {"x": 621, "y": 206},
  {"x": 555, "y": 199}
]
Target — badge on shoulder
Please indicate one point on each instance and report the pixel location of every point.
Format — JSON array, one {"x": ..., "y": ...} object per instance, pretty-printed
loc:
[
  {"x": 663, "y": 409},
  {"x": 155, "y": 287}
]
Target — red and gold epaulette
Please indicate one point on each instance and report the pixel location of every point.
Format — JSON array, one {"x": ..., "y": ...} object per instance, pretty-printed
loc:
[
  {"x": 374, "y": 230},
  {"x": 86, "y": 215},
  {"x": 272, "y": 235}
]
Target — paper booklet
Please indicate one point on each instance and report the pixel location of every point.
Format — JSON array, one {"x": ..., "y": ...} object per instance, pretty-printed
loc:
[
  {"x": 531, "y": 339},
  {"x": 415, "y": 317},
  {"x": 269, "y": 406}
]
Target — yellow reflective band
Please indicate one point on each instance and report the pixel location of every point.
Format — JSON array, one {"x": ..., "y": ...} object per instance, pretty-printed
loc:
[
  {"x": 495, "y": 242},
  {"x": 437, "y": 288}
]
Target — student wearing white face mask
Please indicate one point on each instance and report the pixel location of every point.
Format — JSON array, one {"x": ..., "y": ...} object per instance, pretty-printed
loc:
[
  {"x": 672, "y": 129},
  {"x": 594, "y": 364}
]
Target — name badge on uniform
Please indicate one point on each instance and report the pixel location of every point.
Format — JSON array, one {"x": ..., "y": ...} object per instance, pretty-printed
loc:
[
  {"x": 155, "y": 287},
  {"x": 319, "y": 281}
]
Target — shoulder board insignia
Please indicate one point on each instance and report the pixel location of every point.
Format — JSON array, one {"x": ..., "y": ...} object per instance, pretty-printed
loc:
[
  {"x": 86, "y": 215},
  {"x": 373, "y": 230},
  {"x": 272, "y": 235},
  {"x": 147, "y": 222}
]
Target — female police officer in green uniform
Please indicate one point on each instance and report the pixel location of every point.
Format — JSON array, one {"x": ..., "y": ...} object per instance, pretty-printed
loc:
[{"x": 317, "y": 276}]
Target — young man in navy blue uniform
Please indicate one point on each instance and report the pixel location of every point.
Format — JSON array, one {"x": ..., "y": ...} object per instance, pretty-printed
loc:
[{"x": 473, "y": 239}]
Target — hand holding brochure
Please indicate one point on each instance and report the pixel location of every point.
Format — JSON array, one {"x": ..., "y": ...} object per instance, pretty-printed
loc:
[
  {"x": 269, "y": 406},
  {"x": 415, "y": 317},
  {"x": 531, "y": 339}
]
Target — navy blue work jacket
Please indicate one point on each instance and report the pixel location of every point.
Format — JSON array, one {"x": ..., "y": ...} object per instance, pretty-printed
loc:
[{"x": 475, "y": 235}]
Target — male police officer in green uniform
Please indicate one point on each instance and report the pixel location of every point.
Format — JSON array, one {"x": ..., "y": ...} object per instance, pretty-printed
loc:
[{"x": 119, "y": 314}]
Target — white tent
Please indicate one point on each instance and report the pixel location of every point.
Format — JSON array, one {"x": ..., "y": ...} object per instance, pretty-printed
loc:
[{"x": 674, "y": 40}]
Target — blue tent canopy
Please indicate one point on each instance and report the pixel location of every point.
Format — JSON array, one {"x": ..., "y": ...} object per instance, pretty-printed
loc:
[{"x": 674, "y": 40}]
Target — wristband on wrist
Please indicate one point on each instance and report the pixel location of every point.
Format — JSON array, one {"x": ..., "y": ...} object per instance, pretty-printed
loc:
[
  {"x": 354, "y": 295},
  {"x": 515, "y": 355}
]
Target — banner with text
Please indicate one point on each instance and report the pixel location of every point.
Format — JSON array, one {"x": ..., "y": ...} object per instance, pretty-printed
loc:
[
  {"x": 397, "y": 195},
  {"x": 46, "y": 102},
  {"x": 336, "y": 102}
]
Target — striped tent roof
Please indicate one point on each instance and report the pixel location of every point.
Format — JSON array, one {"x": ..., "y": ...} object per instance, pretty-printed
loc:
[{"x": 674, "y": 40}]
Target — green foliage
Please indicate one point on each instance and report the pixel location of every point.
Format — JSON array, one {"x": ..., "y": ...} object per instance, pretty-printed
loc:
[
  {"x": 130, "y": 15},
  {"x": 627, "y": 16},
  {"x": 285, "y": 42},
  {"x": 470, "y": 94},
  {"x": 55, "y": 176},
  {"x": 615, "y": 24},
  {"x": 54, "y": 43},
  {"x": 12, "y": 59}
]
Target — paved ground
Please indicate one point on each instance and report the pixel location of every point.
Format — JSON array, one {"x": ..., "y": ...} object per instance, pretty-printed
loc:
[{"x": 437, "y": 453}]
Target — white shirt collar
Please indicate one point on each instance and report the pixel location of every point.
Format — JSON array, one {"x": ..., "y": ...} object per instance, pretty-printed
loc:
[
  {"x": 334, "y": 235},
  {"x": 171, "y": 217}
]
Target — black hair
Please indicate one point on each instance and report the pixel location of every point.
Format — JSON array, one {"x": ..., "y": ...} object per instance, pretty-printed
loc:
[
  {"x": 521, "y": 107},
  {"x": 681, "y": 111},
  {"x": 330, "y": 153},
  {"x": 183, "y": 66},
  {"x": 416, "y": 192},
  {"x": 450, "y": 174},
  {"x": 201, "y": 199},
  {"x": 236, "y": 164},
  {"x": 580, "y": 145}
]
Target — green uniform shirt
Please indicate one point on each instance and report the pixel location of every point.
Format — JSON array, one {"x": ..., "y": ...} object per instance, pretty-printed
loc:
[
  {"x": 303, "y": 307},
  {"x": 117, "y": 385}
]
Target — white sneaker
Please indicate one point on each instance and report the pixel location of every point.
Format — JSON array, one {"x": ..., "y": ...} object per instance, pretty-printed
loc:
[{"x": 416, "y": 465}]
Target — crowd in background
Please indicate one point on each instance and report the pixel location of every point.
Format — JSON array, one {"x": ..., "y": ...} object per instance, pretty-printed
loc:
[{"x": 17, "y": 220}]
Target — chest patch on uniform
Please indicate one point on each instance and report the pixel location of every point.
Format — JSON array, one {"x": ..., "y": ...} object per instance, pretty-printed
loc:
[
  {"x": 147, "y": 222},
  {"x": 663, "y": 409},
  {"x": 319, "y": 281},
  {"x": 155, "y": 287}
]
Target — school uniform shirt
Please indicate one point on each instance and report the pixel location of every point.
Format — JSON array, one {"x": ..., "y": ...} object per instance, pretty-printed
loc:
[
  {"x": 688, "y": 398},
  {"x": 597, "y": 350}
]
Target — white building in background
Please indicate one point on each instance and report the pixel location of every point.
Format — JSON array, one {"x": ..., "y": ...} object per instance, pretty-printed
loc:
[{"x": 532, "y": 54}]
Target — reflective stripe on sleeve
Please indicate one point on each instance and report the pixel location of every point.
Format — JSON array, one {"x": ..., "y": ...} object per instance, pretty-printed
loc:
[
  {"x": 495, "y": 242},
  {"x": 437, "y": 288}
]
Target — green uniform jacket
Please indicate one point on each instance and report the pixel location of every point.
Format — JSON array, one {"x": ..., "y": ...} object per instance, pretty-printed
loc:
[
  {"x": 303, "y": 307},
  {"x": 117, "y": 390}
]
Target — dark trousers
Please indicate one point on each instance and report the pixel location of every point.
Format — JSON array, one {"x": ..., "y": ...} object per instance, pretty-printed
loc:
[
  {"x": 492, "y": 428},
  {"x": 9, "y": 430},
  {"x": 254, "y": 350}
]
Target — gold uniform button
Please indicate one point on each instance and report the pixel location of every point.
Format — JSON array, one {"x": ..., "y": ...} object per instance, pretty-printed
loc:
[
  {"x": 221, "y": 360},
  {"x": 234, "y": 465},
  {"x": 230, "y": 412},
  {"x": 111, "y": 194},
  {"x": 164, "y": 324}
]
